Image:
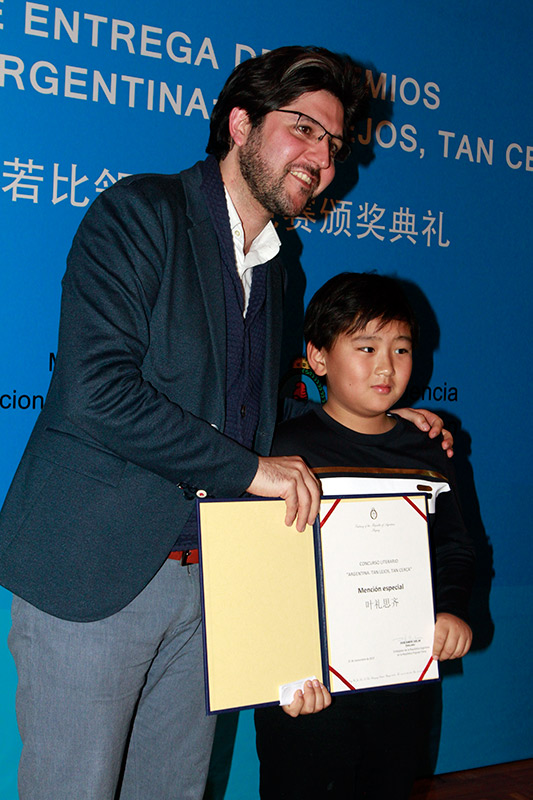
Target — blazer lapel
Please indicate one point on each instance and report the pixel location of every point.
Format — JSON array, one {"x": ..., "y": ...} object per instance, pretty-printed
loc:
[
  {"x": 274, "y": 321},
  {"x": 208, "y": 264}
]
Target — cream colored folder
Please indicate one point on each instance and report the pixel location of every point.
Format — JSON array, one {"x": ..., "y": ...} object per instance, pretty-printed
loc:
[{"x": 261, "y": 616}]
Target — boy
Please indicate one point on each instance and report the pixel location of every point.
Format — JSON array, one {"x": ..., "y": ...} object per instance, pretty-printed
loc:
[{"x": 360, "y": 332}]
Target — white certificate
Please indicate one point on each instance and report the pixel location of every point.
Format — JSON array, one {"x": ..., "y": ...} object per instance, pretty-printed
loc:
[{"x": 378, "y": 591}]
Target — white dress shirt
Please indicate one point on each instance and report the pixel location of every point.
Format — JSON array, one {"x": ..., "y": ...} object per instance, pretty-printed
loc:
[{"x": 265, "y": 246}]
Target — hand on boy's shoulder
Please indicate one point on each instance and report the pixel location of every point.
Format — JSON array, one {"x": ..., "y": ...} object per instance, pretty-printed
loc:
[
  {"x": 429, "y": 423},
  {"x": 452, "y": 638},
  {"x": 428, "y": 449}
]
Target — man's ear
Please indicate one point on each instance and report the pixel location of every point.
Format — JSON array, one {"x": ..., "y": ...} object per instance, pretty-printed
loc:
[
  {"x": 239, "y": 125},
  {"x": 316, "y": 359}
]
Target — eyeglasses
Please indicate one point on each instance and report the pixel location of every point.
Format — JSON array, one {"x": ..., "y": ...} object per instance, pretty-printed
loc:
[{"x": 308, "y": 128}]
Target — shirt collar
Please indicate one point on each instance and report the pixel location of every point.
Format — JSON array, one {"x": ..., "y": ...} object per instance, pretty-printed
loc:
[{"x": 264, "y": 247}]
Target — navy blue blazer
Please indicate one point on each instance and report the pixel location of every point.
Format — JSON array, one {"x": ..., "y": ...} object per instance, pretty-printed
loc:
[{"x": 130, "y": 428}]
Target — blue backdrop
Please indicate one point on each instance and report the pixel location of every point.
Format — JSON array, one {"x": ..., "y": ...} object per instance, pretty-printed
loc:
[{"x": 438, "y": 193}]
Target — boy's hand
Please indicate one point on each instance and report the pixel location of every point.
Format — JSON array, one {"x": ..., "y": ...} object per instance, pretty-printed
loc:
[
  {"x": 452, "y": 639},
  {"x": 290, "y": 478},
  {"x": 430, "y": 423},
  {"x": 314, "y": 698}
]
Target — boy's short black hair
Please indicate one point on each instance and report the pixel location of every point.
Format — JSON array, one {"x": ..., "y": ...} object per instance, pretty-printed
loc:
[{"x": 349, "y": 301}]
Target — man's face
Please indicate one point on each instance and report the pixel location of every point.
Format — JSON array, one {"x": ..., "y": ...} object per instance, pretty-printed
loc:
[{"x": 284, "y": 171}]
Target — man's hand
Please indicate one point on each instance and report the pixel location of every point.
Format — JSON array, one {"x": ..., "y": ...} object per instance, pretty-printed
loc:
[
  {"x": 314, "y": 698},
  {"x": 289, "y": 477},
  {"x": 452, "y": 639},
  {"x": 430, "y": 423}
]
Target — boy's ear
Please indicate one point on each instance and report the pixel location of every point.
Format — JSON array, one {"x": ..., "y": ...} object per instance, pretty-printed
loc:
[{"x": 316, "y": 359}]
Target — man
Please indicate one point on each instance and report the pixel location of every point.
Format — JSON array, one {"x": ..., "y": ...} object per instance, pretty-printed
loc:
[{"x": 153, "y": 402}]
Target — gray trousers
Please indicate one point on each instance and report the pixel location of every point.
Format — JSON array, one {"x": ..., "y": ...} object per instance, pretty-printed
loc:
[{"x": 115, "y": 708}]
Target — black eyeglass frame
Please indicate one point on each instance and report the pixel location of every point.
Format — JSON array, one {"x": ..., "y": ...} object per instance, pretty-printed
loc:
[{"x": 342, "y": 153}]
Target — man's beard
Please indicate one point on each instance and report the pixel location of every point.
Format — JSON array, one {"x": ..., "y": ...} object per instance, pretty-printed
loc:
[{"x": 268, "y": 190}]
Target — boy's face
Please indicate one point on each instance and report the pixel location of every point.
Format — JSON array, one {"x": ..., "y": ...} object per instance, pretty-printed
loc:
[{"x": 367, "y": 373}]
